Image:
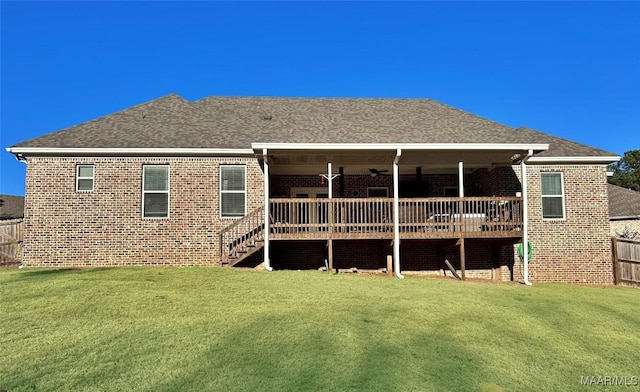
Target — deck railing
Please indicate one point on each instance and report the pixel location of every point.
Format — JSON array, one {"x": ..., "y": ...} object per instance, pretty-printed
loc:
[
  {"x": 373, "y": 217},
  {"x": 242, "y": 236}
]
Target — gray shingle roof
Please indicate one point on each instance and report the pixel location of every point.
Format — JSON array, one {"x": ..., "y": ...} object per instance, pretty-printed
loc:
[
  {"x": 623, "y": 202},
  {"x": 11, "y": 207},
  {"x": 236, "y": 122}
]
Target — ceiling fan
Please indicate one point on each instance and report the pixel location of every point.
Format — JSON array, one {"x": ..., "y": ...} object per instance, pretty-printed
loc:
[{"x": 376, "y": 172}]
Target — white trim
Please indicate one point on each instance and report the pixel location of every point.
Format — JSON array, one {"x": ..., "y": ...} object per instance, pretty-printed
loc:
[
  {"x": 244, "y": 213},
  {"x": 577, "y": 159},
  {"x": 168, "y": 191},
  {"x": 562, "y": 197},
  {"x": 92, "y": 178},
  {"x": 619, "y": 218},
  {"x": 131, "y": 151},
  {"x": 403, "y": 146}
]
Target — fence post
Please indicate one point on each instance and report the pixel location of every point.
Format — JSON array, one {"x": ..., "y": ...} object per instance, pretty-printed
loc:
[{"x": 614, "y": 254}]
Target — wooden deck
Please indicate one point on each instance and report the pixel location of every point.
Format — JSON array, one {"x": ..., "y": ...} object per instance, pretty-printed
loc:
[{"x": 372, "y": 218}]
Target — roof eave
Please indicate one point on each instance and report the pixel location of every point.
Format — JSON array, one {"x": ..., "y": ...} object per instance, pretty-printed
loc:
[
  {"x": 395, "y": 146},
  {"x": 55, "y": 151},
  {"x": 605, "y": 159}
]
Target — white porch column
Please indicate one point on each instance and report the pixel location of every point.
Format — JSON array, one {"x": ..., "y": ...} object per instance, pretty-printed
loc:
[
  {"x": 330, "y": 220},
  {"x": 396, "y": 214},
  {"x": 461, "y": 179},
  {"x": 267, "y": 261},
  {"x": 330, "y": 179},
  {"x": 525, "y": 213}
]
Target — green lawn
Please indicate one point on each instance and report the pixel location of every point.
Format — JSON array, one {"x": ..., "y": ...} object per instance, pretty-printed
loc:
[{"x": 199, "y": 329}]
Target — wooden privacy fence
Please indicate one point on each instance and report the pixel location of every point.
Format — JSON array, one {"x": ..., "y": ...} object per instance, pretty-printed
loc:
[
  {"x": 626, "y": 261},
  {"x": 11, "y": 241}
]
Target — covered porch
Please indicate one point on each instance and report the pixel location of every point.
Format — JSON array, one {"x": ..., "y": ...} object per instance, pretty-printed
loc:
[{"x": 344, "y": 192}]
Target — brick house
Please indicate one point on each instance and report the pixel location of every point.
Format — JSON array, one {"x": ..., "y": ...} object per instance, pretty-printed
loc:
[
  {"x": 624, "y": 211},
  {"x": 300, "y": 183}
]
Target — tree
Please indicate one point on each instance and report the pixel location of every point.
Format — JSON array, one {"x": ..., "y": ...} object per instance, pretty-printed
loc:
[{"x": 626, "y": 173}]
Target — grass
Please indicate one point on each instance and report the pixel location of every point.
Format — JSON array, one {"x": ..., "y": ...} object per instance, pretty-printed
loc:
[{"x": 196, "y": 329}]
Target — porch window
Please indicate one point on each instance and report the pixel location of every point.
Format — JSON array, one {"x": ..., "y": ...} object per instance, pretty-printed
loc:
[
  {"x": 378, "y": 192},
  {"x": 450, "y": 191},
  {"x": 84, "y": 178},
  {"x": 233, "y": 191},
  {"x": 552, "y": 189},
  {"x": 155, "y": 191}
]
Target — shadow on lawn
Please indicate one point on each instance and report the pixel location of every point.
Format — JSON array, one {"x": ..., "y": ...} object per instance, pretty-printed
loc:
[
  {"x": 58, "y": 271},
  {"x": 352, "y": 354}
]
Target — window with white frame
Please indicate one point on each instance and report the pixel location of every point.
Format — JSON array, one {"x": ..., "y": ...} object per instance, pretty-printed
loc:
[
  {"x": 552, "y": 189},
  {"x": 85, "y": 178},
  {"x": 155, "y": 191},
  {"x": 233, "y": 191}
]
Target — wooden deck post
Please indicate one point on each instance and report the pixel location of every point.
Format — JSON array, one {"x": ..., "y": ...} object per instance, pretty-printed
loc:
[
  {"x": 330, "y": 254},
  {"x": 462, "y": 258}
]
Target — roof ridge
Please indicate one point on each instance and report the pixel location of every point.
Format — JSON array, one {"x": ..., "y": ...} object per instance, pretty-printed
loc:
[{"x": 310, "y": 98}]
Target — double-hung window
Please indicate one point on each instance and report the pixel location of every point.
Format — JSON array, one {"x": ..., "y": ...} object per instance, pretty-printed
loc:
[
  {"x": 233, "y": 191},
  {"x": 552, "y": 189},
  {"x": 84, "y": 178},
  {"x": 155, "y": 191}
]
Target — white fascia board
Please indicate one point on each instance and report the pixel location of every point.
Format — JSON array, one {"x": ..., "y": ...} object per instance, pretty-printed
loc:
[
  {"x": 631, "y": 217},
  {"x": 577, "y": 159},
  {"x": 130, "y": 151},
  {"x": 403, "y": 146}
]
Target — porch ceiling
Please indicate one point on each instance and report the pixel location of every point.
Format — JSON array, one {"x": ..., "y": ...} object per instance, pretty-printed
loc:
[{"x": 292, "y": 160}]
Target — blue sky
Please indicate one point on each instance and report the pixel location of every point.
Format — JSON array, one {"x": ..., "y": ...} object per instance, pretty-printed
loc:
[{"x": 571, "y": 69}]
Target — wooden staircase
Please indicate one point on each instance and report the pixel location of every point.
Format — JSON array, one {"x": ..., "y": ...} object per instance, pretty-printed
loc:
[{"x": 242, "y": 238}]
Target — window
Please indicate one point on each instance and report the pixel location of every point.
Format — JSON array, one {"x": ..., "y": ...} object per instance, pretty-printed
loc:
[
  {"x": 84, "y": 178},
  {"x": 450, "y": 191},
  {"x": 155, "y": 191},
  {"x": 233, "y": 191},
  {"x": 552, "y": 189},
  {"x": 377, "y": 192}
]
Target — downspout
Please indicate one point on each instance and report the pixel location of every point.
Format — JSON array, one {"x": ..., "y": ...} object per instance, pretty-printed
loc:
[
  {"x": 396, "y": 216},
  {"x": 525, "y": 212},
  {"x": 267, "y": 261}
]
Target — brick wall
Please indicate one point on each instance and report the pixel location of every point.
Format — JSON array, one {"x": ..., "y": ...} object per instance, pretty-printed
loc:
[
  {"x": 105, "y": 227},
  {"x": 355, "y": 185},
  {"x": 576, "y": 249}
]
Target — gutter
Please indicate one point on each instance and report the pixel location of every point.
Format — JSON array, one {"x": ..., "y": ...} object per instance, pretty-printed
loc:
[
  {"x": 525, "y": 212},
  {"x": 396, "y": 215},
  {"x": 56, "y": 151}
]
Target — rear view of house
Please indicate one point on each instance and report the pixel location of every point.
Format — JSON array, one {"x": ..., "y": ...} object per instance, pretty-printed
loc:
[{"x": 298, "y": 183}]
